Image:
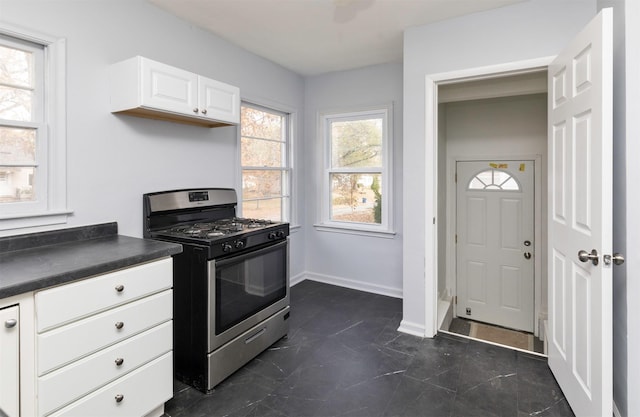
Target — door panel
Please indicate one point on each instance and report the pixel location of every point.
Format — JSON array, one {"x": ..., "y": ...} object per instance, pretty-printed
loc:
[
  {"x": 580, "y": 293},
  {"x": 494, "y": 219}
]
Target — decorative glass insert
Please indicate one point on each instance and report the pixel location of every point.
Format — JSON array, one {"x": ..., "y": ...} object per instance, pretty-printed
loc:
[{"x": 494, "y": 179}]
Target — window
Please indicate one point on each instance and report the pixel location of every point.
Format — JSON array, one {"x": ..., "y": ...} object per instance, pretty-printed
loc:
[
  {"x": 493, "y": 179},
  {"x": 357, "y": 183},
  {"x": 266, "y": 163},
  {"x": 32, "y": 136}
]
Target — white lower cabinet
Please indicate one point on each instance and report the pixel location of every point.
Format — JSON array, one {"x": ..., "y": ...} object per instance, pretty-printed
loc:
[
  {"x": 135, "y": 394},
  {"x": 111, "y": 357},
  {"x": 9, "y": 361}
]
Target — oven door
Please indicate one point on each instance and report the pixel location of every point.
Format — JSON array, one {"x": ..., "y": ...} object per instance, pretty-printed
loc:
[{"x": 245, "y": 290}]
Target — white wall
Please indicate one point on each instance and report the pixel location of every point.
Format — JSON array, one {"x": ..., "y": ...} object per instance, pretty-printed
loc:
[
  {"x": 507, "y": 128},
  {"x": 626, "y": 204},
  {"x": 113, "y": 159},
  {"x": 630, "y": 387},
  {"x": 365, "y": 262},
  {"x": 528, "y": 30}
]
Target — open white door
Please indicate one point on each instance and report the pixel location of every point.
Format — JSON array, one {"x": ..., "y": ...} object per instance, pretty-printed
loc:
[{"x": 580, "y": 219}]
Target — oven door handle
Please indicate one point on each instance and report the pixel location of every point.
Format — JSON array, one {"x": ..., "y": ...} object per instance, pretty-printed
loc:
[{"x": 245, "y": 255}]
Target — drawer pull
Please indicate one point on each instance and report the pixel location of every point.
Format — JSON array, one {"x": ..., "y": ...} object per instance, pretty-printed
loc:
[
  {"x": 119, "y": 361},
  {"x": 119, "y": 398},
  {"x": 119, "y": 325},
  {"x": 120, "y": 288}
]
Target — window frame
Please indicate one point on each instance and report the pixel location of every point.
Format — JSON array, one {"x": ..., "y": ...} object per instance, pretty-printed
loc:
[
  {"x": 51, "y": 153},
  {"x": 287, "y": 208},
  {"x": 384, "y": 229}
]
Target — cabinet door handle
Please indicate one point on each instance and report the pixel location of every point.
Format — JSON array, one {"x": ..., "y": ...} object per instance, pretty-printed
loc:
[
  {"x": 195, "y": 110},
  {"x": 119, "y": 325},
  {"x": 119, "y": 361},
  {"x": 10, "y": 323},
  {"x": 120, "y": 288},
  {"x": 204, "y": 111},
  {"x": 119, "y": 398}
]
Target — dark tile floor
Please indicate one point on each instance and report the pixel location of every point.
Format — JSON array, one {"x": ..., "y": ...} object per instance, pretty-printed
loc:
[{"x": 344, "y": 357}]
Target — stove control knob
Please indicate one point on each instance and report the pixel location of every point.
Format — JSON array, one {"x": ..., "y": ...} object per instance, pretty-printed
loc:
[
  {"x": 239, "y": 244},
  {"x": 226, "y": 247},
  {"x": 272, "y": 235},
  {"x": 280, "y": 233}
]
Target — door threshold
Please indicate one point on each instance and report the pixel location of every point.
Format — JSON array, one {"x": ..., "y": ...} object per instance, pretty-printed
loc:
[{"x": 497, "y": 336}]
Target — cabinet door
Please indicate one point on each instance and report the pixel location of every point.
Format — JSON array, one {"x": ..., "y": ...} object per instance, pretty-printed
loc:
[
  {"x": 169, "y": 88},
  {"x": 9, "y": 361},
  {"x": 218, "y": 101}
]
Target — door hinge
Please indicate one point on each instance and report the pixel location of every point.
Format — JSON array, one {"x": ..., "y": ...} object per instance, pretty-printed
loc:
[
  {"x": 455, "y": 299},
  {"x": 456, "y": 238},
  {"x": 455, "y": 179}
]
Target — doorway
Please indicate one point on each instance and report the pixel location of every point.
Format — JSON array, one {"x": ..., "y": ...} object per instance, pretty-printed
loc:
[{"x": 499, "y": 120}]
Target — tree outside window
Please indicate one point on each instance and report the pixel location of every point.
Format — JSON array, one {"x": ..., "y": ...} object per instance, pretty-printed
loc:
[
  {"x": 264, "y": 150},
  {"x": 18, "y": 130},
  {"x": 357, "y": 169}
]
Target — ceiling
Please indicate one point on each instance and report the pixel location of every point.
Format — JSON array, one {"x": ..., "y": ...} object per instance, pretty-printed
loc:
[{"x": 312, "y": 37}]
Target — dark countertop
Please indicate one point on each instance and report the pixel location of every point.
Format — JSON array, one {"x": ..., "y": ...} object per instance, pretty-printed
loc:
[{"x": 40, "y": 260}]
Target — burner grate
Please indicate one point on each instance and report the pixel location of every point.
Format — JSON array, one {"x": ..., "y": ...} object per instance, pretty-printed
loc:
[{"x": 218, "y": 228}]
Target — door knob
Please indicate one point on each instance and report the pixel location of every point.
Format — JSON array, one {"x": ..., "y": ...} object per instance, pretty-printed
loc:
[
  {"x": 585, "y": 256},
  {"x": 616, "y": 258},
  {"x": 527, "y": 255}
]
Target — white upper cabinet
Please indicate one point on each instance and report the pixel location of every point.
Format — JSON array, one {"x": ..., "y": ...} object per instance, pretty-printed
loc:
[{"x": 145, "y": 88}]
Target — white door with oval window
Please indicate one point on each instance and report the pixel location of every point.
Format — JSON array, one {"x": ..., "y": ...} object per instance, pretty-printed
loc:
[{"x": 495, "y": 230}]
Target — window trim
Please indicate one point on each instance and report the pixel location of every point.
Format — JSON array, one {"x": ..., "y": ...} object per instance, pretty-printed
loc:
[
  {"x": 290, "y": 114},
  {"x": 56, "y": 211},
  {"x": 386, "y": 228}
]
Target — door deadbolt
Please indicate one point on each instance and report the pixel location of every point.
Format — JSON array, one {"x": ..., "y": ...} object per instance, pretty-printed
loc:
[
  {"x": 527, "y": 243},
  {"x": 585, "y": 256},
  {"x": 616, "y": 258}
]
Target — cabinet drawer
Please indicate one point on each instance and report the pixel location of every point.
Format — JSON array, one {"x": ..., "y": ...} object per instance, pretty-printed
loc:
[
  {"x": 67, "y": 384},
  {"x": 142, "y": 390},
  {"x": 65, "y": 344},
  {"x": 60, "y": 305}
]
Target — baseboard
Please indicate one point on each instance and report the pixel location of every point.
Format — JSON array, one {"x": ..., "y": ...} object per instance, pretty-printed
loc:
[
  {"x": 350, "y": 283},
  {"x": 445, "y": 313},
  {"x": 545, "y": 329},
  {"x": 297, "y": 279},
  {"x": 414, "y": 329}
]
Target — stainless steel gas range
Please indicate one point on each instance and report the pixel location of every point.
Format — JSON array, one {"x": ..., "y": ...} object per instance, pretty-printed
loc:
[{"x": 231, "y": 282}]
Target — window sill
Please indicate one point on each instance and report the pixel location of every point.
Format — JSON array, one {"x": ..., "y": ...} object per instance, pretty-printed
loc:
[
  {"x": 351, "y": 230},
  {"x": 21, "y": 221}
]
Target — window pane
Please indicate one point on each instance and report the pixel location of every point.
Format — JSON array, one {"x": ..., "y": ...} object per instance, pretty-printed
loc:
[
  {"x": 356, "y": 143},
  {"x": 261, "y": 153},
  {"x": 15, "y": 104},
  {"x": 261, "y": 184},
  {"x": 16, "y": 67},
  {"x": 356, "y": 198},
  {"x": 510, "y": 185},
  {"x": 16, "y": 184},
  {"x": 260, "y": 124},
  {"x": 270, "y": 209},
  {"x": 17, "y": 146},
  {"x": 494, "y": 180}
]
